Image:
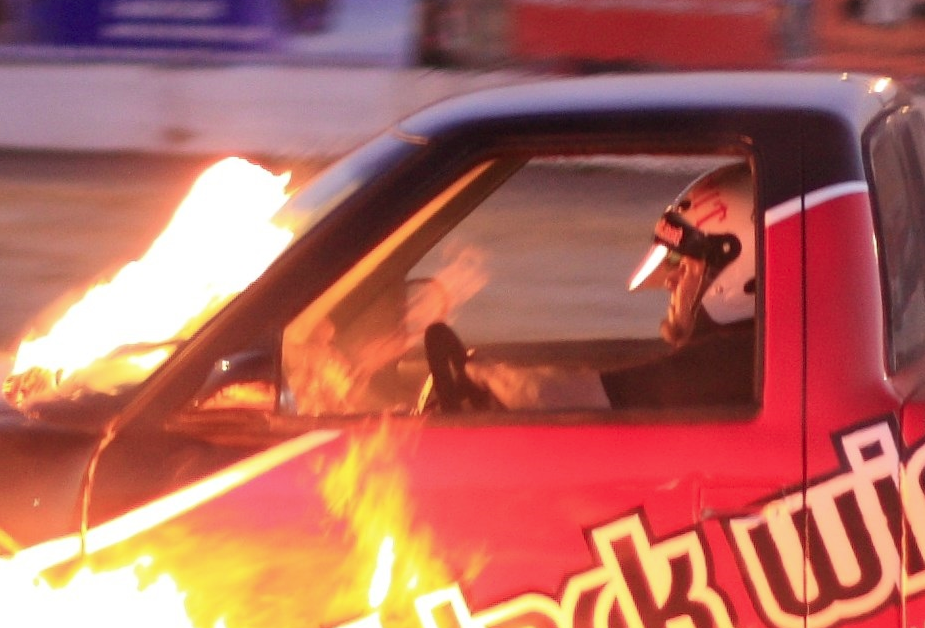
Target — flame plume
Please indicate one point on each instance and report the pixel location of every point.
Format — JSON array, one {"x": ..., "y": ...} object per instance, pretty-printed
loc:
[
  {"x": 394, "y": 558},
  {"x": 219, "y": 240}
]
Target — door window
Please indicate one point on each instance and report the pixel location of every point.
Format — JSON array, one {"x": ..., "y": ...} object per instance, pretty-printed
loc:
[
  {"x": 896, "y": 154},
  {"x": 525, "y": 278}
]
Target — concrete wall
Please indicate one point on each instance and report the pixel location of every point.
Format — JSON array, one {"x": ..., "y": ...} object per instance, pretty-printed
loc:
[
  {"x": 275, "y": 110},
  {"x": 255, "y": 109}
]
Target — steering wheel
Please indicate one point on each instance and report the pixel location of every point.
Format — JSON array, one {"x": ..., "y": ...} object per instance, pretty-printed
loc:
[{"x": 446, "y": 358}]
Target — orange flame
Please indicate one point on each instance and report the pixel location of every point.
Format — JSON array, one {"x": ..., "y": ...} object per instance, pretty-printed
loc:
[
  {"x": 326, "y": 378},
  {"x": 388, "y": 559},
  {"x": 112, "y": 599},
  {"x": 382, "y": 577},
  {"x": 395, "y": 558},
  {"x": 130, "y": 578},
  {"x": 219, "y": 240}
]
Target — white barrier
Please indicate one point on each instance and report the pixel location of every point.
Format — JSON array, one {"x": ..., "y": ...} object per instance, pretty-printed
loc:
[
  {"x": 251, "y": 109},
  {"x": 256, "y": 109}
]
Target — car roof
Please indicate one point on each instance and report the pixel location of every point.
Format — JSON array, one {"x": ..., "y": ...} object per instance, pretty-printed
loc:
[{"x": 855, "y": 98}]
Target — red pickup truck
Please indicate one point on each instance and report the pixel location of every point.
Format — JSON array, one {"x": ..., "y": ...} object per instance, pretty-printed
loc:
[{"x": 315, "y": 452}]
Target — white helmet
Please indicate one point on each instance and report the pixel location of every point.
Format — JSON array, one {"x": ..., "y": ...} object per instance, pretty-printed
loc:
[{"x": 713, "y": 219}]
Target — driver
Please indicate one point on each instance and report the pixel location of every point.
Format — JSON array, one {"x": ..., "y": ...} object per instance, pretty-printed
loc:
[{"x": 704, "y": 255}]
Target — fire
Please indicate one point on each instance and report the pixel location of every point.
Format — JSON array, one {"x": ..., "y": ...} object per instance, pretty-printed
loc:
[
  {"x": 193, "y": 268},
  {"x": 382, "y": 578},
  {"x": 395, "y": 559},
  {"x": 327, "y": 379},
  {"x": 123, "y": 579},
  {"x": 219, "y": 240},
  {"x": 111, "y": 599},
  {"x": 388, "y": 560}
]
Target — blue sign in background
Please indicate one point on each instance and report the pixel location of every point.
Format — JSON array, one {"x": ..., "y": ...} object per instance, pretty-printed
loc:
[{"x": 222, "y": 24}]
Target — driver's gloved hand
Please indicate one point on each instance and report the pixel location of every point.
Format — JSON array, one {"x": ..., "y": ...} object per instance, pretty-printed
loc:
[{"x": 539, "y": 387}]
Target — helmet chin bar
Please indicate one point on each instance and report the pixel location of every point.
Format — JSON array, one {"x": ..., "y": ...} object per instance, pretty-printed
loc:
[{"x": 719, "y": 251}]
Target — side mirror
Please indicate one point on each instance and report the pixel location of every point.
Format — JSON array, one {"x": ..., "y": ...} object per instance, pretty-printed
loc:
[{"x": 248, "y": 379}]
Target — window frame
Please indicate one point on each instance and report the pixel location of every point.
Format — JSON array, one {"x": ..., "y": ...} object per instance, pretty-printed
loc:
[{"x": 445, "y": 215}]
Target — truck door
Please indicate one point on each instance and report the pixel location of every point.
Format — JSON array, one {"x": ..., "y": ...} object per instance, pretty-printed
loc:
[
  {"x": 649, "y": 513},
  {"x": 853, "y": 445}
]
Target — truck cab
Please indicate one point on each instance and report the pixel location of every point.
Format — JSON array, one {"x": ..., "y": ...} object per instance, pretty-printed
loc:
[{"x": 341, "y": 488}]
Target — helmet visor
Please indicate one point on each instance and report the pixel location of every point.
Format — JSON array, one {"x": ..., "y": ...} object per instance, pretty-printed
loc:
[
  {"x": 673, "y": 238},
  {"x": 654, "y": 267}
]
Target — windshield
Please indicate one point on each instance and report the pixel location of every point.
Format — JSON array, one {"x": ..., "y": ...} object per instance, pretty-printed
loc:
[{"x": 233, "y": 224}]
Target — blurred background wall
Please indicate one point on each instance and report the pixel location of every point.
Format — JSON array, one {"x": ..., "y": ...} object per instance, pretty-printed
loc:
[
  {"x": 550, "y": 35},
  {"x": 315, "y": 77}
]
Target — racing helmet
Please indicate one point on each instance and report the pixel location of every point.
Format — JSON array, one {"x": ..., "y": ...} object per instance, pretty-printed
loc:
[{"x": 713, "y": 219}]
